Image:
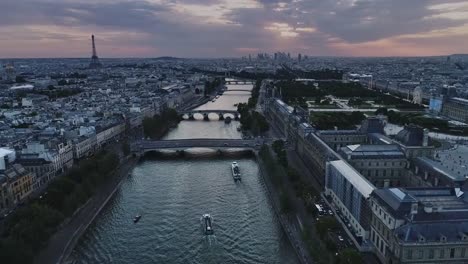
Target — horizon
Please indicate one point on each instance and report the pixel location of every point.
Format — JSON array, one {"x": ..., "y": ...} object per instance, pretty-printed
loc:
[
  {"x": 236, "y": 28},
  {"x": 224, "y": 58}
]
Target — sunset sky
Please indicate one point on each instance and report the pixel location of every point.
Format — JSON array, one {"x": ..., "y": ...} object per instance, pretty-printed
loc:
[{"x": 225, "y": 28}]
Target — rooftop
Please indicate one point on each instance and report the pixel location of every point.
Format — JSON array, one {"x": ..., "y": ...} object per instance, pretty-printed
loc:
[
  {"x": 373, "y": 151},
  {"x": 356, "y": 179}
]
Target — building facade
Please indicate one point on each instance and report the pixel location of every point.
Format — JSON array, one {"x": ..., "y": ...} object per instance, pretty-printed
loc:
[
  {"x": 383, "y": 165},
  {"x": 348, "y": 192},
  {"x": 410, "y": 225}
]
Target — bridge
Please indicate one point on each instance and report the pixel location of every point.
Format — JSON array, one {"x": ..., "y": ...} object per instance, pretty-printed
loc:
[
  {"x": 239, "y": 82},
  {"x": 205, "y": 113},
  {"x": 144, "y": 146},
  {"x": 237, "y": 90}
]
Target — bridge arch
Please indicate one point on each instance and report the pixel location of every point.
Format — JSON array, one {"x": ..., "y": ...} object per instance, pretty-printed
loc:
[
  {"x": 209, "y": 114},
  {"x": 144, "y": 146}
]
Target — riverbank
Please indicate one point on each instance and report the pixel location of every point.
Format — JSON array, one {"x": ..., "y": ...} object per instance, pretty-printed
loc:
[
  {"x": 63, "y": 241},
  {"x": 290, "y": 229}
]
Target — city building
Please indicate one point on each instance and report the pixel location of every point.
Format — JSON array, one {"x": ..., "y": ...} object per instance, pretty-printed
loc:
[
  {"x": 348, "y": 191},
  {"x": 420, "y": 225},
  {"x": 383, "y": 165},
  {"x": 456, "y": 108}
]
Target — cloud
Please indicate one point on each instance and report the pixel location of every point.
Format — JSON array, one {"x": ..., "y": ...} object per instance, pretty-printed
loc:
[{"x": 216, "y": 28}]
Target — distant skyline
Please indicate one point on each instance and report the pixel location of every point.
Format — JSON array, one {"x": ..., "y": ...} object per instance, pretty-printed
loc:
[{"x": 232, "y": 28}]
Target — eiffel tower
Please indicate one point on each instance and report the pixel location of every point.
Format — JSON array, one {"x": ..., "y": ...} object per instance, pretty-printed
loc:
[{"x": 95, "y": 63}]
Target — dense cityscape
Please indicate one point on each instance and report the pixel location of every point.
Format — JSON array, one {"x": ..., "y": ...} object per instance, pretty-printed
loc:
[{"x": 333, "y": 159}]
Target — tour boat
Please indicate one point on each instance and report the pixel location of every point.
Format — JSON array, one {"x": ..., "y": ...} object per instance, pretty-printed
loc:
[
  {"x": 207, "y": 222},
  {"x": 136, "y": 219},
  {"x": 235, "y": 171}
]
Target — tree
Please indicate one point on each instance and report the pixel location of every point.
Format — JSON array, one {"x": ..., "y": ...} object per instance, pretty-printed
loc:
[
  {"x": 349, "y": 256},
  {"x": 381, "y": 111},
  {"x": 125, "y": 148},
  {"x": 278, "y": 145},
  {"x": 325, "y": 224},
  {"x": 62, "y": 82},
  {"x": 20, "y": 79},
  {"x": 286, "y": 204}
]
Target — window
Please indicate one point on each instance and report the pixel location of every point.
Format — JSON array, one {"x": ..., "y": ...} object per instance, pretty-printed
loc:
[
  {"x": 462, "y": 252},
  {"x": 409, "y": 254},
  {"x": 420, "y": 254},
  {"x": 441, "y": 253},
  {"x": 431, "y": 253},
  {"x": 452, "y": 253}
]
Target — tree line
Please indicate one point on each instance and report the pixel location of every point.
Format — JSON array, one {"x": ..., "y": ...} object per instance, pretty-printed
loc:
[
  {"x": 211, "y": 86},
  {"x": 340, "y": 120},
  {"x": 249, "y": 118},
  {"x": 31, "y": 226},
  {"x": 157, "y": 126}
]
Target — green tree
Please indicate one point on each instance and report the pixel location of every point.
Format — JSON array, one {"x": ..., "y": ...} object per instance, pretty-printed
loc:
[
  {"x": 125, "y": 148},
  {"x": 349, "y": 256},
  {"x": 20, "y": 79},
  {"x": 285, "y": 203},
  {"x": 325, "y": 224}
]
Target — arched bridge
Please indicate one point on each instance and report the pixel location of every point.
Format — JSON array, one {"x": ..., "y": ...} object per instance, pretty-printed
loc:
[
  {"x": 205, "y": 113},
  {"x": 144, "y": 146},
  {"x": 238, "y": 90},
  {"x": 239, "y": 82}
]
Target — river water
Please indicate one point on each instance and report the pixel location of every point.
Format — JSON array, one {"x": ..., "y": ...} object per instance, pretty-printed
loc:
[{"x": 172, "y": 194}]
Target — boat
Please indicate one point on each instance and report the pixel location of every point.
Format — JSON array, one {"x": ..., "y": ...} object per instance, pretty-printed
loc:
[
  {"x": 137, "y": 218},
  {"x": 207, "y": 222},
  {"x": 235, "y": 171},
  {"x": 227, "y": 120}
]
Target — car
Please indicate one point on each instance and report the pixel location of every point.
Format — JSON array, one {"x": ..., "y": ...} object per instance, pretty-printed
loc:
[
  {"x": 225, "y": 144},
  {"x": 340, "y": 238}
]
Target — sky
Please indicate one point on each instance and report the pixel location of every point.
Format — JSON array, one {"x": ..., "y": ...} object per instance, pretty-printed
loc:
[{"x": 232, "y": 28}]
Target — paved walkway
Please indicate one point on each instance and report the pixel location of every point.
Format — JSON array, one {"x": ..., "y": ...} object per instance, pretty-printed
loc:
[{"x": 289, "y": 223}]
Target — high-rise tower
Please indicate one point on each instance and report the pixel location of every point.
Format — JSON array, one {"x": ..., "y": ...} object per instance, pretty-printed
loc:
[{"x": 95, "y": 63}]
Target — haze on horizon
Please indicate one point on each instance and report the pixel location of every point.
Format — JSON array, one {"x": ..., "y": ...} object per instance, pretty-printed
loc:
[{"x": 225, "y": 28}]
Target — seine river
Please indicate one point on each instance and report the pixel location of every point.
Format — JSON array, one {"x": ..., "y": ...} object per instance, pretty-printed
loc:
[{"x": 172, "y": 194}]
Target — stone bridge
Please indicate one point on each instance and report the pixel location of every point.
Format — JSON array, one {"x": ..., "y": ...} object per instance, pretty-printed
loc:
[
  {"x": 144, "y": 146},
  {"x": 237, "y": 90},
  {"x": 205, "y": 113},
  {"x": 239, "y": 82}
]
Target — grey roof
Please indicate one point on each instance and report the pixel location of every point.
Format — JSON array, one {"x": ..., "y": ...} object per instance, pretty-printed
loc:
[
  {"x": 427, "y": 164},
  {"x": 395, "y": 200},
  {"x": 432, "y": 232},
  {"x": 411, "y": 135},
  {"x": 373, "y": 151},
  {"x": 378, "y": 138},
  {"x": 352, "y": 176},
  {"x": 340, "y": 132}
]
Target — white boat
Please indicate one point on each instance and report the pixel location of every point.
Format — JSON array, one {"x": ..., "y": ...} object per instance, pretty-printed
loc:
[{"x": 235, "y": 171}]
